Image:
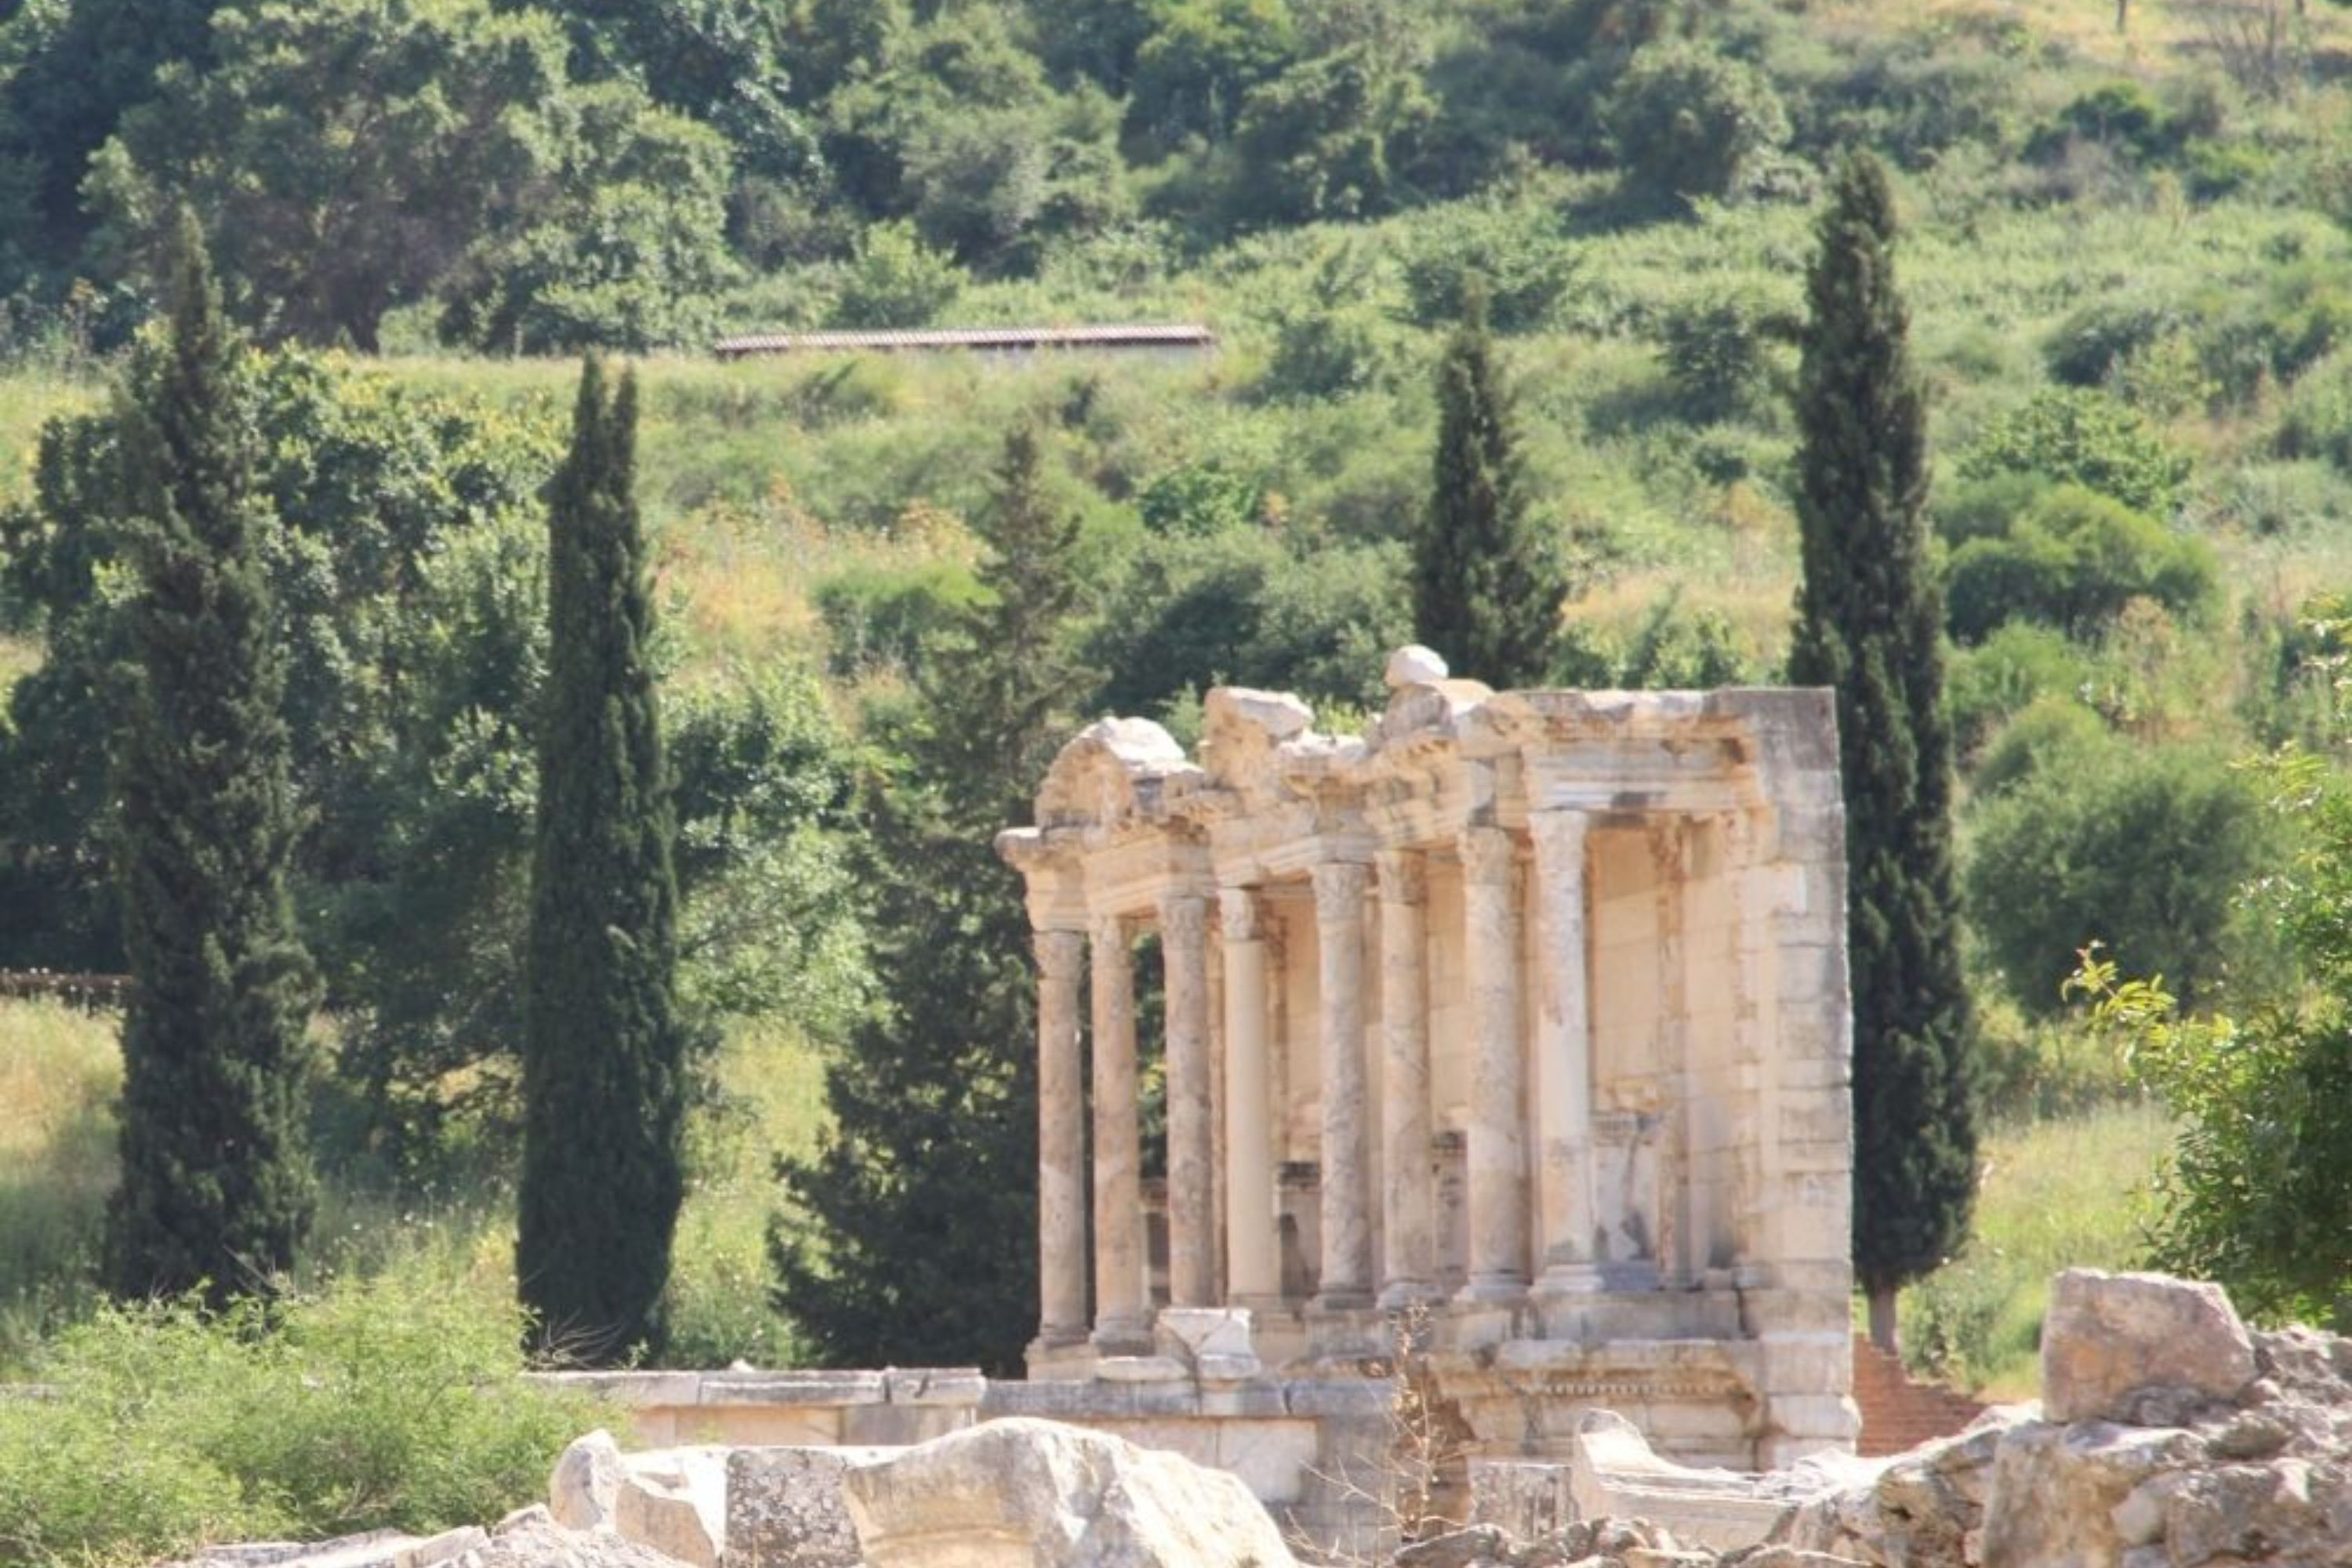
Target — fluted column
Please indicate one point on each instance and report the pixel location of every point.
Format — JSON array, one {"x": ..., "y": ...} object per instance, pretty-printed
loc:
[
  {"x": 1346, "y": 1212},
  {"x": 1252, "y": 1269},
  {"x": 1122, "y": 1300},
  {"x": 1564, "y": 1053},
  {"x": 1408, "y": 1211},
  {"x": 1061, "y": 1140},
  {"x": 1496, "y": 1155},
  {"x": 1184, "y": 954}
]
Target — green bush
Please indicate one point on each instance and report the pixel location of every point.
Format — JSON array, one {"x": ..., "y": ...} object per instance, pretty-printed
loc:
[
  {"x": 395, "y": 1404},
  {"x": 2259, "y": 336},
  {"x": 2073, "y": 562},
  {"x": 2113, "y": 841},
  {"x": 2086, "y": 439},
  {"x": 1671, "y": 650},
  {"x": 2009, "y": 672},
  {"x": 2086, "y": 348},
  {"x": 2255, "y": 1193},
  {"x": 2317, "y": 422},
  {"x": 1722, "y": 350},
  {"x": 895, "y": 281},
  {"x": 1690, "y": 121},
  {"x": 1516, "y": 254},
  {"x": 886, "y": 615}
]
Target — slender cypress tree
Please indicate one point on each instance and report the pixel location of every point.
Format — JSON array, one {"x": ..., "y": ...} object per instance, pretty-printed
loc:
[
  {"x": 216, "y": 1185},
  {"x": 1869, "y": 622},
  {"x": 1485, "y": 588},
  {"x": 603, "y": 1047},
  {"x": 916, "y": 1225}
]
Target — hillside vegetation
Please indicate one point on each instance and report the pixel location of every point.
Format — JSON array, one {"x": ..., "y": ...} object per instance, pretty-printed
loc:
[{"x": 2125, "y": 256}]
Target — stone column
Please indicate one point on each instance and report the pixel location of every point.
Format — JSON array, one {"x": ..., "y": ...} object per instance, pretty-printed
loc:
[
  {"x": 1061, "y": 1142},
  {"x": 1497, "y": 1156},
  {"x": 1252, "y": 1269},
  {"x": 1347, "y": 1221},
  {"x": 1184, "y": 954},
  {"x": 1564, "y": 1054},
  {"x": 1408, "y": 1214},
  {"x": 1122, "y": 1300}
]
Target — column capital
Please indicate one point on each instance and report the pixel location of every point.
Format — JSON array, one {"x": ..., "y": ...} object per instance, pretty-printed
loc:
[
  {"x": 1110, "y": 931},
  {"x": 1558, "y": 832},
  {"x": 1403, "y": 875},
  {"x": 1336, "y": 882},
  {"x": 1061, "y": 954},
  {"x": 1239, "y": 916},
  {"x": 1183, "y": 918},
  {"x": 1490, "y": 855}
]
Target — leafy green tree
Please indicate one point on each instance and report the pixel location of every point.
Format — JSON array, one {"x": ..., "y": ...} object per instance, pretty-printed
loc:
[
  {"x": 1329, "y": 138},
  {"x": 2078, "y": 437},
  {"x": 2073, "y": 560},
  {"x": 75, "y": 70},
  {"x": 216, "y": 1187},
  {"x": 1869, "y": 627},
  {"x": 2105, "y": 840},
  {"x": 1193, "y": 73},
  {"x": 2253, "y": 1192},
  {"x": 1690, "y": 120},
  {"x": 345, "y": 153},
  {"x": 626, "y": 248},
  {"x": 1486, "y": 586},
  {"x": 350, "y": 157},
  {"x": 603, "y": 1042},
  {"x": 910, "y": 1233}
]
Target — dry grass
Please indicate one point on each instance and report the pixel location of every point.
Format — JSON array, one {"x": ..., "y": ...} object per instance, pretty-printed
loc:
[
  {"x": 2056, "y": 1194},
  {"x": 59, "y": 1071}
]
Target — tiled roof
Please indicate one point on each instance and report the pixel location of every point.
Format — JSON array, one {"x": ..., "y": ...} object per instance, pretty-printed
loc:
[{"x": 1004, "y": 339}]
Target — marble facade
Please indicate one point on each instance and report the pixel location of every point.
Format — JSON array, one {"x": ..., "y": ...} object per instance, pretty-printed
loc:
[{"x": 1518, "y": 1028}]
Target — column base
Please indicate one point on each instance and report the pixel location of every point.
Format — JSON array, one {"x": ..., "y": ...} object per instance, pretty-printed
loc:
[
  {"x": 1344, "y": 1299},
  {"x": 1570, "y": 1279},
  {"x": 1123, "y": 1337},
  {"x": 1493, "y": 1290}
]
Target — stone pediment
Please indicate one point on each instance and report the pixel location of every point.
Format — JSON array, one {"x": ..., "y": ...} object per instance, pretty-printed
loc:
[{"x": 1114, "y": 773}]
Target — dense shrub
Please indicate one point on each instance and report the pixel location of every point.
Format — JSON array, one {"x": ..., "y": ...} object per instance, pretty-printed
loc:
[
  {"x": 1250, "y": 608},
  {"x": 2317, "y": 419},
  {"x": 1672, "y": 649},
  {"x": 886, "y": 615},
  {"x": 1720, "y": 350},
  {"x": 392, "y": 1405},
  {"x": 2086, "y": 348},
  {"x": 1690, "y": 121},
  {"x": 2107, "y": 840},
  {"x": 2085, "y": 438},
  {"x": 895, "y": 280},
  {"x": 2273, "y": 331},
  {"x": 2011, "y": 670},
  {"x": 2073, "y": 560},
  {"x": 1515, "y": 254}
]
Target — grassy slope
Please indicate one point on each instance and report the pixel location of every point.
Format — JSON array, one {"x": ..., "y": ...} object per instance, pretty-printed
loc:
[
  {"x": 768, "y": 477},
  {"x": 59, "y": 1068},
  {"x": 2056, "y": 1194}
]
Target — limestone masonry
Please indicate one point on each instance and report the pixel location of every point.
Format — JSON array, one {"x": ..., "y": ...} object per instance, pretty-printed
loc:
[{"x": 1518, "y": 1025}]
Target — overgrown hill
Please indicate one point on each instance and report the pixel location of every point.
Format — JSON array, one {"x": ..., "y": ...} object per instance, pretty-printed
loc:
[{"x": 2124, "y": 254}]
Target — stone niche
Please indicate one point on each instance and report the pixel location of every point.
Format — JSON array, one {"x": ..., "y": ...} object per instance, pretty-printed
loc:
[{"x": 1515, "y": 1030}]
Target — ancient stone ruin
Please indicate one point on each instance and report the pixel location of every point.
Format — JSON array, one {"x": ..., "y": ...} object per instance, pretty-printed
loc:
[{"x": 1518, "y": 1024}]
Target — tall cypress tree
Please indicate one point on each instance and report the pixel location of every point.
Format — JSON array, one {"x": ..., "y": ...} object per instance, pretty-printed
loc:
[
  {"x": 216, "y": 1185},
  {"x": 916, "y": 1224},
  {"x": 1869, "y": 621},
  {"x": 603, "y": 1047},
  {"x": 1485, "y": 588}
]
